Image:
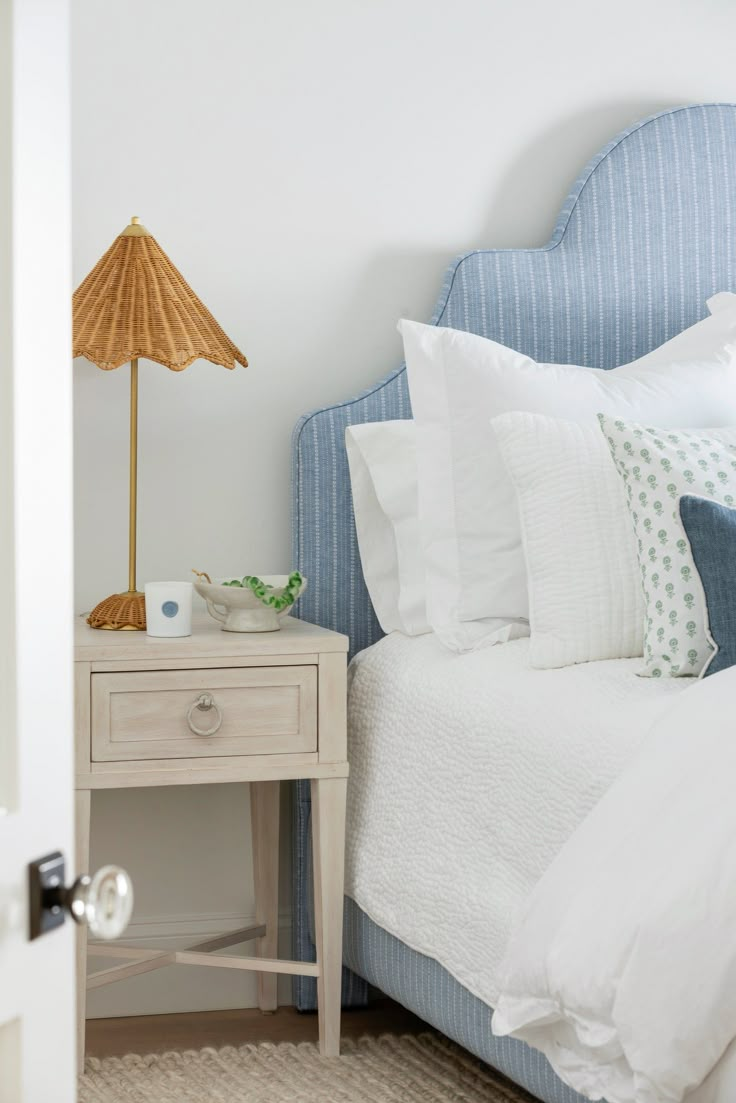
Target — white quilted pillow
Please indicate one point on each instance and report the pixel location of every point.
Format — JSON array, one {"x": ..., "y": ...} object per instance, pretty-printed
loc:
[{"x": 585, "y": 594}]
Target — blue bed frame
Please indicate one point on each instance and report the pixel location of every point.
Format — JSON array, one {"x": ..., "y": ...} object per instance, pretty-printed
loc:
[{"x": 646, "y": 235}]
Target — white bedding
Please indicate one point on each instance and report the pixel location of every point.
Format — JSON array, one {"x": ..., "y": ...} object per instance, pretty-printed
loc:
[
  {"x": 467, "y": 775},
  {"x": 623, "y": 967}
]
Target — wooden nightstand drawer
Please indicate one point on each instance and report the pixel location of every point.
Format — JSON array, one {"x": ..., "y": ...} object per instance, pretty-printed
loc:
[{"x": 154, "y": 714}]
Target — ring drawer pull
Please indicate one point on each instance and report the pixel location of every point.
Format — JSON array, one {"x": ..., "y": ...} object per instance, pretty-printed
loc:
[{"x": 204, "y": 702}]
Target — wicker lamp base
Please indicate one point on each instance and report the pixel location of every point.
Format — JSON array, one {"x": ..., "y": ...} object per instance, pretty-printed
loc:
[{"x": 120, "y": 613}]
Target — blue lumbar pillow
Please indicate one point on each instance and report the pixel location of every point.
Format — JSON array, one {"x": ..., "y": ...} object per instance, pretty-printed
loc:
[{"x": 711, "y": 530}]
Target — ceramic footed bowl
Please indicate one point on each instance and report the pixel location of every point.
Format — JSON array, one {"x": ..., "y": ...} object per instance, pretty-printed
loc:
[{"x": 259, "y": 605}]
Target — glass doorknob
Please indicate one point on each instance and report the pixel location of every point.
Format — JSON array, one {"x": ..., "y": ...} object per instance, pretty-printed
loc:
[{"x": 103, "y": 902}]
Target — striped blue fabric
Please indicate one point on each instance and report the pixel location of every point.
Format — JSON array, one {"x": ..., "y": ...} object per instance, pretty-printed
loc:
[
  {"x": 644, "y": 238},
  {"x": 422, "y": 985}
]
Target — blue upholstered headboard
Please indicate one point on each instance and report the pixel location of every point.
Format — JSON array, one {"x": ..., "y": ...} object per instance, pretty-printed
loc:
[{"x": 646, "y": 235}]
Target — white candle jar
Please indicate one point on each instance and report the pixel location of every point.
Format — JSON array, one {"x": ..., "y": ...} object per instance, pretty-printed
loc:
[{"x": 168, "y": 608}]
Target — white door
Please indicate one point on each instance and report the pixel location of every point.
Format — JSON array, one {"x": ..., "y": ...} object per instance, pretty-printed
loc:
[{"x": 37, "y": 1051}]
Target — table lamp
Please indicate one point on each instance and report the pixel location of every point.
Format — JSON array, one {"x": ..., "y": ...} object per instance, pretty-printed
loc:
[{"x": 134, "y": 303}]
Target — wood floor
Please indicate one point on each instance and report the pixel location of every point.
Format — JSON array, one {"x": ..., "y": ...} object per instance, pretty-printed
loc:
[{"x": 158, "y": 1033}]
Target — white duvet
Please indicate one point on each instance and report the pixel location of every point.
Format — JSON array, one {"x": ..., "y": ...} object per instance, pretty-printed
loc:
[
  {"x": 467, "y": 775},
  {"x": 622, "y": 969}
]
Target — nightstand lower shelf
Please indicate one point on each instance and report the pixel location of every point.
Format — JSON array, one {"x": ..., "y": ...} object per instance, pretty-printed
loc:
[{"x": 146, "y": 961}]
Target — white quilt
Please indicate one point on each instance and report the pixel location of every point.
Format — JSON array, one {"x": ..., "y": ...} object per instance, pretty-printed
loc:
[
  {"x": 467, "y": 774},
  {"x": 623, "y": 968}
]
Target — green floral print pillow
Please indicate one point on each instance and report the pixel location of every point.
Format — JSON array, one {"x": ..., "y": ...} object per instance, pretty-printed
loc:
[{"x": 657, "y": 466}]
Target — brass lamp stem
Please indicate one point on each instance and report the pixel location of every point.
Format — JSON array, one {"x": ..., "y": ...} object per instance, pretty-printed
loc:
[
  {"x": 126, "y": 612},
  {"x": 133, "y": 474}
]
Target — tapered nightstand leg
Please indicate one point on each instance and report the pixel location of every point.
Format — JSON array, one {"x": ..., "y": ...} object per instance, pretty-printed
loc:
[
  {"x": 264, "y": 815},
  {"x": 328, "y": 847},
  {"x": 82, "y": 809}
]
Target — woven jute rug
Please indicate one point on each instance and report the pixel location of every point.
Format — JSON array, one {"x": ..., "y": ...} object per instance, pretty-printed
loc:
[{"x": 419, "y": 1068}]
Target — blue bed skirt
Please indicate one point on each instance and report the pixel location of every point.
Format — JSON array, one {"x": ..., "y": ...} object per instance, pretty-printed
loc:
[{"x": 422, "y": 985}]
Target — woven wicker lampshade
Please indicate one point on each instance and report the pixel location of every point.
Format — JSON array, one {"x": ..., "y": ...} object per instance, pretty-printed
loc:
[{"x": 135, "y": 303}]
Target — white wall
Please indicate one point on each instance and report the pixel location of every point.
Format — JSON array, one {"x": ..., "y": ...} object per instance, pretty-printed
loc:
[{"x": 311, "y": 167}]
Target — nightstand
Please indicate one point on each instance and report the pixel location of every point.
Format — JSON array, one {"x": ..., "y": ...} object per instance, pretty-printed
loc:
[{"x": 222, "y": 707}]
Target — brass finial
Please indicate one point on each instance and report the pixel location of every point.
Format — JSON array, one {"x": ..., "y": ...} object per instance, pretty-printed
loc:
[{"x": 135, "y": 229}]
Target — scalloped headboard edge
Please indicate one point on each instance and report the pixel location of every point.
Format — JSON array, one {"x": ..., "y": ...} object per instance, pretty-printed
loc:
[{"x": 645, "y": 236}]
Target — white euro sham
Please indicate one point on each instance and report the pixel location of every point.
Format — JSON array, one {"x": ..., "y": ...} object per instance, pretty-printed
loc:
[{"x": 470, "y": 527}]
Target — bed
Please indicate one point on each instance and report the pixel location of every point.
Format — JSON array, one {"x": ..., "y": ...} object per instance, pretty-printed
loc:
[{"x": 645, "y": 236}]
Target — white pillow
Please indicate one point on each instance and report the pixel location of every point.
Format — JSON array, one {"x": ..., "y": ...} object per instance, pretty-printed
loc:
[
  {"x": 722, "y": 300},
  {"x": 657, "y": 466},
  {"x": 383, "y": 476},
  {"x": 585, "y": 593},
  {"x": 458, "y": 382}
]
